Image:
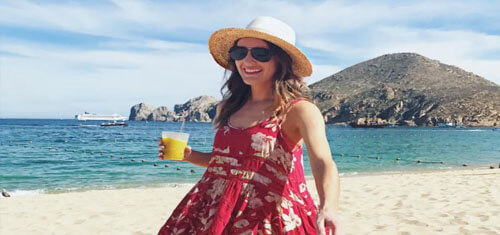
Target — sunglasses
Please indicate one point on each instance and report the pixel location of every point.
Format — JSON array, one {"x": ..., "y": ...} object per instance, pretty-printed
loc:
[{"x": 259, "y": 53}]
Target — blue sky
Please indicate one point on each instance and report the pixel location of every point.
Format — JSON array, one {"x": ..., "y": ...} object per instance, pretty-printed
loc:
[{"x": 61, "y": 58}]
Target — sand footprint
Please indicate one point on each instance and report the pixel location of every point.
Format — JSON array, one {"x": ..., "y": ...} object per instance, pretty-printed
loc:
[
  {"x": 140, "y": 233},
  {"x": 459, "y": 221},
  {"x": 399, "y": 204},
  {"x": 459, "y": 214},
  {"x": 80, "y": 221},
  {"x": 484, "y": 218},
  {"x": 415, "y": 222},
  {"x": 439, "y": 229}
]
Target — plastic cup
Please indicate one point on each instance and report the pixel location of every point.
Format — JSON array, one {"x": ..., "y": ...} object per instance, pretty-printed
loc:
[{"x": 175, "y": 143}]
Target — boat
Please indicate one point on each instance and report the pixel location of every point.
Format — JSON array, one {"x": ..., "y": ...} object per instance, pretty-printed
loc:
[
  {"x": 114, "y": 123},
  {"x": 99, "y": 117},
  {"x": 445, "y": 124},
  {"x": 368, "y": 125}
]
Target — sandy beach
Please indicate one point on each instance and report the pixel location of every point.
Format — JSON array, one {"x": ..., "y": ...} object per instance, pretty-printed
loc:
[{"x": 449, "y": 202}]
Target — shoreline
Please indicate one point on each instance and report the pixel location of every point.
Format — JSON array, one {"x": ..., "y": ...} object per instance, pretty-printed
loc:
[
  {"x": 444, "y": 202},
  {"x": 149, "y": 185}
]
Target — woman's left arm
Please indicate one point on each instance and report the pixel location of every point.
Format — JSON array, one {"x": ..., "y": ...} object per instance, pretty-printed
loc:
[{"x": 311, "y": 126}]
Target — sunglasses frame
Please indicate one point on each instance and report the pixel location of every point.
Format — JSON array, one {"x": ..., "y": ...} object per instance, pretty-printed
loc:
[{"x": 253, "y": 52}]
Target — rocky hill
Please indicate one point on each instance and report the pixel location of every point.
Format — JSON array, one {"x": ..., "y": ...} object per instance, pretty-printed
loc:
[
  {"x": 407, "y": 89},
  {"x": 199, "y": 109}
]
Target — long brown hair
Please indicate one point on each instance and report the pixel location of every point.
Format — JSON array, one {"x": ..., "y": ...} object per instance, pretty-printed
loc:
[{"x": 287, "y": 87}]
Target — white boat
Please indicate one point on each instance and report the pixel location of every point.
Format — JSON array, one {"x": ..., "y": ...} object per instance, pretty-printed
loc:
[
  {"x": 100, "y": 117},
  {"x": 445, "y": 124},
  {"x": 114, "y": 123}
]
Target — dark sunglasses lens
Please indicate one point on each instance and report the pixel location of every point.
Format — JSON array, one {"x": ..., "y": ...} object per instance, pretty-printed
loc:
[
  {"x": 262, "y": 54},
  {"x": 238, "y": 53}
]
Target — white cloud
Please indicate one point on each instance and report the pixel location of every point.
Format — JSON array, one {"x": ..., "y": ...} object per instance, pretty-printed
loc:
[
  {"x": 147, "y": 54},
  {"x": 320, "y": 72},
  {"x": 308, "y": 18},
  {"x": 55, "y": 82}
]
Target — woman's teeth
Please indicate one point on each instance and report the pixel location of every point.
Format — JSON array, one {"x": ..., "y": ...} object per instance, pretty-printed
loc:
[{"x": 252, "y": 70}]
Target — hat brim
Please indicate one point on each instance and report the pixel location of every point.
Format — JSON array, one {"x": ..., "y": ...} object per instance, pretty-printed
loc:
[{"x": 222, "y": 40}]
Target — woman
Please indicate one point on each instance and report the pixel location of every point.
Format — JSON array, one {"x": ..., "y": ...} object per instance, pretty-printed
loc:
[{"x": 254, "y": 182}]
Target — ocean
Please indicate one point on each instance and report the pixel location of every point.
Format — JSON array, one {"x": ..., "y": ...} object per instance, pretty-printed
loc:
[{"x": 54, "y": 156}]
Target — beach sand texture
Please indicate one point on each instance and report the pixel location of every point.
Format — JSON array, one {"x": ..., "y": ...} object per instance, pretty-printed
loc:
[{"x": 447, "y": 202}]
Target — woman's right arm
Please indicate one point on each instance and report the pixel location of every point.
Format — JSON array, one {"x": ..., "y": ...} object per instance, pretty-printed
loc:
[{"x": 196, "y": 158}]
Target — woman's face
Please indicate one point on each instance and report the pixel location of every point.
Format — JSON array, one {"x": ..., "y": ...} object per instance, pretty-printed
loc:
[{"x": 252, "y": 71}]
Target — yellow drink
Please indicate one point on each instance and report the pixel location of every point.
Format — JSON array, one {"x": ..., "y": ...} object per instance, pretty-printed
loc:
[
  {"x": 174, "y": 149},
  {"x": 175, "y": 143}
]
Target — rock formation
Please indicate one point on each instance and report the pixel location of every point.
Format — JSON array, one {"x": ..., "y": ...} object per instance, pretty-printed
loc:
[
  {"x": 407, "y": 89},
  {"x": 162, "y": 114},
  {"x": 140, "y": 112},
  {"x": 199, "y": 109}
]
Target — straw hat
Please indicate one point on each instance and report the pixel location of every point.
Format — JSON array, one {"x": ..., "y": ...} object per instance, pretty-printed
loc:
[{"x": 262, "y": 27}]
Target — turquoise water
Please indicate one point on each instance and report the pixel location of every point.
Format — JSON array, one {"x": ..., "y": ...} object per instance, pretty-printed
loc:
[{"x": 47, "y": 156}]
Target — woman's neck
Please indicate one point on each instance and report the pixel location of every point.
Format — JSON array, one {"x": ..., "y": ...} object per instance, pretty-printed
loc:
[{"x": 261, "y": 95}]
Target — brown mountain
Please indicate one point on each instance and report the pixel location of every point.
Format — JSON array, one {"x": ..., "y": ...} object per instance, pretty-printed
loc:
[{"x": 407, "y": 89}]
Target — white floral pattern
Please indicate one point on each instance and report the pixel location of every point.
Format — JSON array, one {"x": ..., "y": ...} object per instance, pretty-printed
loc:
[
  {"x": 302, "y": 187},
  {"x": 218, "y": 187},
  {"x": 241, "y": 223},
  {"x": 280, "y": 156},
  {"x": 226, "y": 129},
  {"x": 226, "y": 150},
  {"x": 263, "y": 144},
  {"x": 217, "y": 170},
  {"x": 254, "y": 195},
  {"x": 222, "y": 159},
  {"x": 276, "y": 173},
  {"x": 272, "y": 126},
  {"x": 291, "y": 220}
]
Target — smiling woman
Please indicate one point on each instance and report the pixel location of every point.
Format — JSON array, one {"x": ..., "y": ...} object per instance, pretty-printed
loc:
[{"x": 254, "y": 182}]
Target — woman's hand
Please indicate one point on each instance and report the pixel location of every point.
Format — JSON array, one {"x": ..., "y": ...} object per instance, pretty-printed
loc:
[
  {"x": 161, "y": 146},
  {"x": 328, "y": 220}
]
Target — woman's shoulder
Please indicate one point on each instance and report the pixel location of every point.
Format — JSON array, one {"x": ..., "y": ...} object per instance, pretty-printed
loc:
[
  {"x": 301, "y": 105},
  {"x": 303, "y": 108}
]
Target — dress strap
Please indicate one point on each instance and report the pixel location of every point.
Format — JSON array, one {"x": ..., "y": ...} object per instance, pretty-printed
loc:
[{"x": 295, "y": 101}]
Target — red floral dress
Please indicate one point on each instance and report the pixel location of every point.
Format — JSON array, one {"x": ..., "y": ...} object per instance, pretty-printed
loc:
[{"x": 254, "y": 184}]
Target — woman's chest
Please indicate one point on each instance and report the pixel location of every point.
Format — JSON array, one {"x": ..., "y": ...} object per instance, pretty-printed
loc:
[{"x": 250, "y": 115}]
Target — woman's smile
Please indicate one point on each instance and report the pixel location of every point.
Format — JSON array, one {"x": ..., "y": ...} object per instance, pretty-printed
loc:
[{"x": 252, "y": 71}]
